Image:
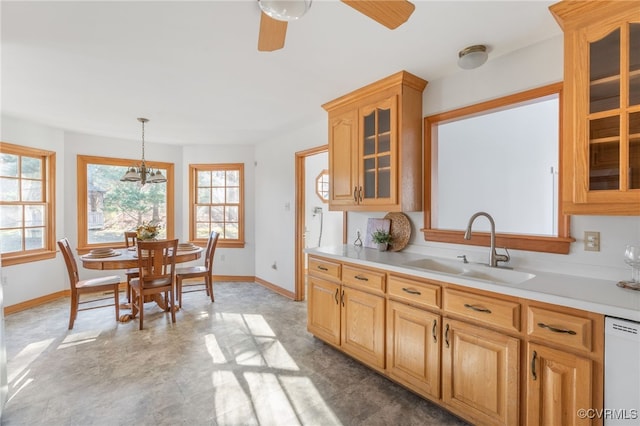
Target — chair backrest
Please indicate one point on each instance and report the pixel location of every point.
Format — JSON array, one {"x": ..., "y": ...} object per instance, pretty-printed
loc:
[
  {"x": 211, "y": 249},
  {"x": 70, "y": 261},
  {"x": 157, "y": 262},
  {"x": 130, "y": 238}
]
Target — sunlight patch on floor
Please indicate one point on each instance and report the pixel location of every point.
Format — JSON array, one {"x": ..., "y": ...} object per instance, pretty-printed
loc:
[
  {"x": 79, "y": 338},
  {"x": 273, "y": 392},
  {"x": 214, "y": 349},
  {"x": 26, "y": 357}
]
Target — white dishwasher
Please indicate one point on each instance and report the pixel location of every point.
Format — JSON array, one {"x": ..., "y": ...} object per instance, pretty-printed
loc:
[{"x": 621, "y": 372}]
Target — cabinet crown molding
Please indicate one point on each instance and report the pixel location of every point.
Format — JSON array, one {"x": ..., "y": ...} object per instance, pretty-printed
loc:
[{"x": 404, "y": 78}]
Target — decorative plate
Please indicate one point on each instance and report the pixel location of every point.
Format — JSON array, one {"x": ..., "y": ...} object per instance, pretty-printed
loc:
[{"x": 400, "y": 230}]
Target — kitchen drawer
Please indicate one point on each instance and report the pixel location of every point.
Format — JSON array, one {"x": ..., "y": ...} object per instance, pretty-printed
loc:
[
  {"x": 564, "y": 329},
  {"x": 414, "y": 292},
  {"x": 365, "y": 279},
  {"x": 484, "y": 309},
  {"x": 325, "y": 269}
]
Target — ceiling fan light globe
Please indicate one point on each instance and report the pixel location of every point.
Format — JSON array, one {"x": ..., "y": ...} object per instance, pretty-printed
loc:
[{"x": 285, "y": 10}]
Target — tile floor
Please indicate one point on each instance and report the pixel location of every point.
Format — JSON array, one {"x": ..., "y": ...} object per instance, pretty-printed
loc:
[{"x": 246, "y": 359}]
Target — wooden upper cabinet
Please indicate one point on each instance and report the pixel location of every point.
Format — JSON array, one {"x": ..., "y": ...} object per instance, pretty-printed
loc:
[
  {"x": 375, "y": 146},
  {"x": 601, "y": 154}
]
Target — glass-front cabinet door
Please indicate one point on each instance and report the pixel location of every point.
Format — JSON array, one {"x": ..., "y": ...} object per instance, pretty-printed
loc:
[
  {"x": 601, "y": 112},
  {"x": 613, "y": 117},
  {"x": 377, "y": 152}
]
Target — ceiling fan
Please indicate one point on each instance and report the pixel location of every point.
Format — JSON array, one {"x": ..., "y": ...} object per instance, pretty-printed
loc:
[{"x": 275, "y": 14}]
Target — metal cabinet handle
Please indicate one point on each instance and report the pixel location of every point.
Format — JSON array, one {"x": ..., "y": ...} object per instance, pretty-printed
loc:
[
  {"x": 360, "y": 192},
  {"x": 342, "y": 298},
  {"x": 322, "y": 268},
  {"x": 477, "y": 308},
  {"x": 446, "y": 335},
  {"x": 335, "y": 296},
  {"x": 533, "y": 365},
  {"x": 355, "y": 194},
  {"x": 411, "y": 291},
  {"x": 361, "y": 278},
  {"x": 433, "y": 331},
  {"x": 556, "y": 329}
]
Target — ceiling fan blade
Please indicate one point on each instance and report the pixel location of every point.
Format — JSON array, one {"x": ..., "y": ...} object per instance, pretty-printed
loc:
[
  {"x": 390, "y": 13},
  {"x": 272, "y": 33}
]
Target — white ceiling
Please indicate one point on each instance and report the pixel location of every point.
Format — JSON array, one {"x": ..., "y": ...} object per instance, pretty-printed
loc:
[{"x": 193, "y": 68}]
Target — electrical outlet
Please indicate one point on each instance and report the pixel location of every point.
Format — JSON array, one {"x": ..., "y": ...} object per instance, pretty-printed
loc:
[{"x": 591, "y": 241}]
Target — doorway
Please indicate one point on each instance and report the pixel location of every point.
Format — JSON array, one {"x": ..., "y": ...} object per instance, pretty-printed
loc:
[{"x": 315, "y": 224}]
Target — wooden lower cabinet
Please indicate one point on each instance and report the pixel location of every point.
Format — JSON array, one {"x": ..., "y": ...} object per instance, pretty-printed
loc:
[
  {"x": 323, "y": 309},
  {"x": 362, "y": 331},
  {"x": 480, "y": 372},
  {"x": 558, "y": 385},
  {"x": 489, "y": 358},
  {"x": 413, "y": 348}
]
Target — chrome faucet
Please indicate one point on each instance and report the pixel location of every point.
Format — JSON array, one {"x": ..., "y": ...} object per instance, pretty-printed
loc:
[{"x": 494, "y": 257}]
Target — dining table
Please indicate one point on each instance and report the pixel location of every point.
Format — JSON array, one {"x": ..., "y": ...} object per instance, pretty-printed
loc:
[{"x": 126, "y": 258}]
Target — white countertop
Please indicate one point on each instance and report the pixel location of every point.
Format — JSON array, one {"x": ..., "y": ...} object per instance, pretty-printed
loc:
[{"x": 595, "y": 295}]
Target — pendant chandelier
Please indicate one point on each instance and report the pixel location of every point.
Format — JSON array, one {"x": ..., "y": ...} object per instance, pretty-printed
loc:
[{"x": 143, "y": 174}]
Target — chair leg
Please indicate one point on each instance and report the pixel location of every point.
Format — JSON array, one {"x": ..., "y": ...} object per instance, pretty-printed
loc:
[
  {"x": 209, "y": 282},
  {"x": 179, "y": 290},
  {"x": 141, "y": 307},
  {"x": 73, "y": 309},
  {"x": 116, "y": 300},
  {"x": 172, "y": 306}
]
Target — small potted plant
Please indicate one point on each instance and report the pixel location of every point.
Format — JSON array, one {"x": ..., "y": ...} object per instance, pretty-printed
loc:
[{"x": 382, "y": 238}]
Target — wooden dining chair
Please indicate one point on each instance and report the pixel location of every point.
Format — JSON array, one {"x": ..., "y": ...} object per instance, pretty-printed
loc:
[
  {"x": 130, "y": 240},
  {"x": 205, "y": 272},
  {"x": 156, "y": 275},
  {"x": 92, "y": 285}
]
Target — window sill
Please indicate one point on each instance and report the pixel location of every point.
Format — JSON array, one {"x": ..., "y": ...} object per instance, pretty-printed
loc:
[{"x": 27, "y": 258}]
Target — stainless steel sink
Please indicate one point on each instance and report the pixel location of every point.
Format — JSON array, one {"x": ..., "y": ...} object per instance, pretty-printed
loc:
[{"x": 471, "y": 271}]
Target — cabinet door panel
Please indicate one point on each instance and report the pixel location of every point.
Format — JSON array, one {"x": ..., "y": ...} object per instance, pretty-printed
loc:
[
  {"x": 323, "y": 309},
  {"x": 413, "y": 348},
  {"x": 378, "y": 152},
  {"x": 558, "y": 385},
  {"x": 343, "y": 162},
  {"x": 480, "y": 373},
  {"x": 363, "y": 320}
]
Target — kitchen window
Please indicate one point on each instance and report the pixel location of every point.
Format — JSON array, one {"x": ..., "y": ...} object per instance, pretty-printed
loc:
[
  {"x": 216, "y": 200},
  {"x": 27, "y": 207},
  {"x": 107, "y": 207}
]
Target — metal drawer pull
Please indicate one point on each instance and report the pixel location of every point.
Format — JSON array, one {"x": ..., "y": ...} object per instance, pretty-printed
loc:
[
  {"x": 322, "y": 268},
  {"x": 533, "y": 365},
  {"x": 446, "y": 335},
  {"x": 433, "y": 331},
  {"x": 477, "y": 309},
  {"x": 358, "y": 277},
  {"x": 555, "y": 329},
  {"x": 335, "y": 296},
  {"x": 411, "y": 291}
]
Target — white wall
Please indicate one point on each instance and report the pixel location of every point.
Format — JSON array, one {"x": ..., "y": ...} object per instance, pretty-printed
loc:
[
  {"x": 273, "y": 210},
  {"x": 29, "y": 281},
  {"x": 535, "y": 66},
  {"x": 227, "y": 261},
  {"x": 275, "y": 200},
  {"x": 26, "y": 281}
]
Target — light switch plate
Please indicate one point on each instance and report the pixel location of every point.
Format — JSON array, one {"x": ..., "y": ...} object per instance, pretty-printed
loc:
[{"x": 591, "y": 241}]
